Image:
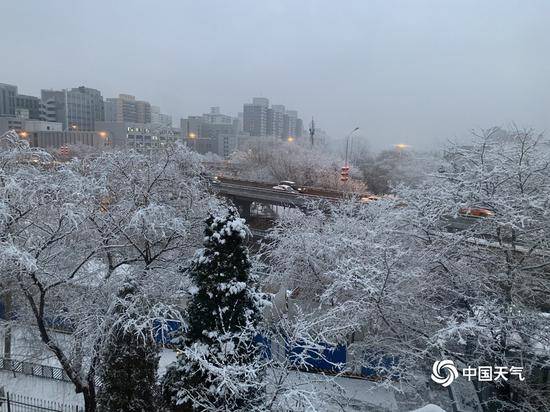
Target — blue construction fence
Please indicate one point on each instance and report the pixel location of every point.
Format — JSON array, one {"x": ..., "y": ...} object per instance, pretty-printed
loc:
[{"x": 317, "y": 357}]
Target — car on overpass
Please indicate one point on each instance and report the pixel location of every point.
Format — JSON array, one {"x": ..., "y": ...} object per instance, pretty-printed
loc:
[
  {"x": 285, "y": 188},
  {"x": 288, "y": 183}
]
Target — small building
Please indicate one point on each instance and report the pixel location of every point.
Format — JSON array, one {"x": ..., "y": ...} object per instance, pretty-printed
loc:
[
  {"x": 139, "y": 136},
  {"x": 42, "y": 126},
  {"x": 11, "y": 123},
  {"x": 56, "y": 139}
]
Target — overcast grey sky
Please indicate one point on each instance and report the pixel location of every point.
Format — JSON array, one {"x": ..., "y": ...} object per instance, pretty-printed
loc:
[{"x": 410, "y": 71}]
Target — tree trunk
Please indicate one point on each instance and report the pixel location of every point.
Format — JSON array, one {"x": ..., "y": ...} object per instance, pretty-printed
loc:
[
  {"x": 7, "y": 327},
  {"x": 89, "y": 401}
]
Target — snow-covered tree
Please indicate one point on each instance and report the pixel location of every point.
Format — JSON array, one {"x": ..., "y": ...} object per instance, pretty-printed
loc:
[
  {"x": 387, "y": 169},
  {"x": 129, "y": 356},
  {"x": 276, "y": 161},
  {"x": 72, "y": 231},
  {"x": 456, "y": 268},
  {"x": 491, "y": 274},
  {"x": 219, "y": 367}
]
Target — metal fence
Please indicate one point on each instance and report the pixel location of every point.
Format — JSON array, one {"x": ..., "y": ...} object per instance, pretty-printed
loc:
[
  {"x": 12, "y": 402},
  {"x": 33, "y": 369}
]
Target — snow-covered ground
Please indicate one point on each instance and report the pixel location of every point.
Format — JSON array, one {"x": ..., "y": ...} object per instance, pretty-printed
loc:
[
  {"x": 346, "y": 394},
  {"x": 50, "y": 389},
  {"x": 41, "y": 388},
  {"x": 363, "y": 395},
  {"x": 430, "y": 408}
]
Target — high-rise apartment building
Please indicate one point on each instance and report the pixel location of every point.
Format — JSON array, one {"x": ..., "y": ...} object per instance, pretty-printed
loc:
[
  {"x": 77, "y": 109},
  {"x": 155, "y": 114},
  {"x": 216, "y": 117},
  {"x": 8, "y": 94},
  {"x": 299, "y": 127},
  {"x": 143, "y": 110},
  {"x": 30, "y": 103},
  {"x": 240, "y": 118},
  {"x": 275, "y": 117},
  {"x": 261, "y": 120},
  {"x": 289, "y": 124},
  {"x": 255, "y": 116},
  {"x": 292, "y": 125},
  {"x": 125, "y": 108},
  {"x": 260, "y": 101},
  {"x": 191, "y": 127},
  {"x": 19, "y": 105},
  {"x": 212, "y": 132},
  {"x": 159, "y": 118}
]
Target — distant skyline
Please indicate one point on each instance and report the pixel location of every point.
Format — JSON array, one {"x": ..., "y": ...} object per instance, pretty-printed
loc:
[{"x": 415, "y": 72}]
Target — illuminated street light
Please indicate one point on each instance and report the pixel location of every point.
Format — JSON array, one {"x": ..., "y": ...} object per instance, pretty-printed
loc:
[
  {"x": 401, "y": 146},
  {"x": 290, "y": 139},
  {"x": 193, "y": 137},
  {"x": 74, "y": 126},
  {"x": 103, "y": 134},
  {"x": 23, "y": 134}
]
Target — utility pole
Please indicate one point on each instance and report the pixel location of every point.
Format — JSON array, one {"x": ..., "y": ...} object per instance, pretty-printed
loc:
[
  {"x": 312, "y": 132},
  {"x": 344, "y": 174},
  {"x": 66, "y": 112}
]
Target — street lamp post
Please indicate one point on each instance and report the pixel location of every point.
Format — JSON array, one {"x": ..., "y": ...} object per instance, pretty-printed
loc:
[
  {"x": 344, "y": 175},
  {"x": 347, "y": 143}
]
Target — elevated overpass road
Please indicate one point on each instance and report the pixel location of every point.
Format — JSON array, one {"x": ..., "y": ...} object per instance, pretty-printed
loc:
[{"x": 264, "y": 192}]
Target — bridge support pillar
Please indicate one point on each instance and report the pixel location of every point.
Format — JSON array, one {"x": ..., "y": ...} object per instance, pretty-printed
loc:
[{"x": 244, "y": 207}]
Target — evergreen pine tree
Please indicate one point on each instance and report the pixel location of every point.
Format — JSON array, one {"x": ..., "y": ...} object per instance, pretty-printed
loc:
[
  {"x": 219, "y": 368},
  {"x": 129, "y": 358}
]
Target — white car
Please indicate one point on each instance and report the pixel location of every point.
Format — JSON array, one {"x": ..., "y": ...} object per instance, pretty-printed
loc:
[
  {"x": 285, "y": 188},
  {"x": 292, "y": 185}
]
